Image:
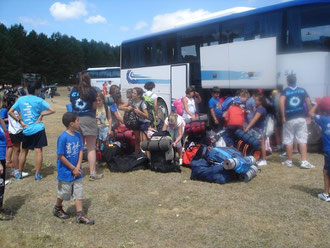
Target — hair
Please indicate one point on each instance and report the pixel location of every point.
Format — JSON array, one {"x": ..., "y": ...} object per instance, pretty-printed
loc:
[
  {"x": 84, "y": 85},
  {"x": 215, "y": 90},
  {"x": 33, "y": 87},
  {"x": 11, "y": 99},
  {"x": 173, "y": 118},
  {"x": 69, "y": 117},
  {"x": 261, "y": 98},
  {"x": 115, "y": 93},
  {"x": 291, "y": 78},
  {"x": 139, "y": 92},
  {"x": 149, "y": 85},
  {"x": 243, "y": 93},
  {"x": 100, "y": 95},
  {"x": 129, "y": 91},
  {"x": 190, "y": 89}
]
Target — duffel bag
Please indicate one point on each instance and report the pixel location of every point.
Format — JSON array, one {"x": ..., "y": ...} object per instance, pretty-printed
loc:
[
  {"x": 129, "y": 163},
  {"x": 189, "y": 155},
  {"x": 195, "y": 128},
  {"x": 124, "y": 134}
]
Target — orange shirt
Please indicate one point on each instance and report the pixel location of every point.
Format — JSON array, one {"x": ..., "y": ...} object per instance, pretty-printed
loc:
[{"x": 235, "y": 116}]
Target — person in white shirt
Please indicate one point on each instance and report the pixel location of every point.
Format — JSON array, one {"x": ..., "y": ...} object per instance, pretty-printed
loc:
[
  {"x": 189, "y": 103},
  {"x": 149, "y": 86}
]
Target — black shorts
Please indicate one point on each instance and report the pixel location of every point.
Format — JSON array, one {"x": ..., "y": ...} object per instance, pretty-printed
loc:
[
  {"x": 37, "y": 140},
  {"x": 16, "y": 138}
]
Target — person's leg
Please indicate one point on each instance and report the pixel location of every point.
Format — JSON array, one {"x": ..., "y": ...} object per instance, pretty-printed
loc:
[
  {"x": 263, "y": 149},
  {"x": 64, "y": 190},
  {"x": 16, "y": 152},
  {"x": 2, "y": 185},
  {"x": 9, "y": 153},
  {"x": 22, "y": 158},
  {"x": 39, "y": 159},
  {"x": 326, "y": 182},
  {"x": 288, "y": 137},
  {"x": 303, "y": 151},
  {"x": 137, "y": 141},
  {"x": 143, "y": 138},
  {"x": 91, "y": 153},
  {"x": 289, "y": 151},
  {"x": 59, "y": 202},
  {"x": 79, "y": 206},
  {"x": 295, "y": 147}
]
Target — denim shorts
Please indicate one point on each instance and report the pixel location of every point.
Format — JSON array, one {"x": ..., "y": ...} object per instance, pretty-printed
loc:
[{"x": 327, "y": 162}]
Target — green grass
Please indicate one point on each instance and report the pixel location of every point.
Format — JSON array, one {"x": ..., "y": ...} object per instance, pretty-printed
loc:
[{"x": 278, "y": 208}]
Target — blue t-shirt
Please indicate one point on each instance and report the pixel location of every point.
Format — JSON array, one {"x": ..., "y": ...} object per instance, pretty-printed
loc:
[
  {"x": 30, "y": 108},
  {"x": 263, "y": 114},
  {"x": 4, "y": 115},
  {"x": 69, "y": 146},
  {"x": 324, "y": 122},
  {"x": 3, "y": 144},
  {"x": 294, "y": 104},
  {"x": 83, "y": 108},
  {"x": 113, "y": 108},
  {"x": 250, "y": 105},
  {"x": 214, "y": 103}
]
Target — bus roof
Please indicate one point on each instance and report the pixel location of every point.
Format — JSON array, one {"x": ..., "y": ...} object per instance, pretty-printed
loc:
[
  {"x": 101, "y": 68},
  {"x": 231, "y": 16}
]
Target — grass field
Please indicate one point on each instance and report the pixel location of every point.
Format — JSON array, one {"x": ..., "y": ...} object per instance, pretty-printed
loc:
[{"x": 279, "y": 208}]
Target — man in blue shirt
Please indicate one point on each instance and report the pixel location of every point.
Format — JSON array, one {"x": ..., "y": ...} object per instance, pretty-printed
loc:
[
  {"x": 293, "y": 114},
  {"x": 215, "y": 109},
  {"x": 32, "y": 109}
]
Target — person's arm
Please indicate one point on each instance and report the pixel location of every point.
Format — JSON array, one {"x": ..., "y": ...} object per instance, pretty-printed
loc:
[
  {"x": 197, "y": 97},
  {"x": 308, "y": 103},
  {"x": 312, "y": 111},
  {"x": 16, "y": 118},
  {"x": 179, "y": 136},
  {"x": 118, "y": 117},
  {"x": 109, "y": 117},
  {"x": 165, "y": 126},
  {"x": 215, "y": 119},
  {"x": 255, "y": 118},
  {"x": 282, "y": 108},
  {"x": 78, "y": 166},
  {"x": 156, "y": 107},
  {"x": 65, "y": 161},
  {"x": 143, "y": 113},
  {"x": 49, "y": 111},
  {"x": 1, "y": 169},
  {"x": 123, "y": 105},
  {"x": 3, "y": 125},
  {"x": 185, "y": 106}
]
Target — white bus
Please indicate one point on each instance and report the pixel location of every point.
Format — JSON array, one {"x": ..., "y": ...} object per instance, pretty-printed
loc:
[
  {"x": 252, "y": 49},
  {"x": 99, "y": 75}
]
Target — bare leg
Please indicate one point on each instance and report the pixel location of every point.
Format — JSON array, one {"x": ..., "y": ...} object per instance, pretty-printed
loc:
[
  {"x": 79, "y": 204},
  {"x": 303, "y": 151},
  {"x": 16, "y": 152},
  {"x": 326, "y": 181},
  {"x": 39, "y": 159},
  {"x": 9, "y": 153},
  {"x": 289, "y": 151},
  {"x": 263, "y": 149},
  {"x": 91, "y": 153},
  {"x": 22, "y": 158},
  {"x": 143, "y": 138},
  {"x": 137, "y": 141},
  {"x": 295, "y": 146},
  {"x": 180, "y": 152},
  {"x": 59, "y": 202}
]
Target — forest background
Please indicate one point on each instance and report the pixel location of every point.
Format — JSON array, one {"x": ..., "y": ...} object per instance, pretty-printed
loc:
[{"x": 57, "y": 58}]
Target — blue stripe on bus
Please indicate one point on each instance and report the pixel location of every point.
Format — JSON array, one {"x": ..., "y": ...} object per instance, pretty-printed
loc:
[
  {"x": 229, "y": 75},
  {"x": 143, "y": 81}
]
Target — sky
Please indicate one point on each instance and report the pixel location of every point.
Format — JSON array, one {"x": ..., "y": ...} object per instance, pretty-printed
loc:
[{"x": 113, "y": 21}]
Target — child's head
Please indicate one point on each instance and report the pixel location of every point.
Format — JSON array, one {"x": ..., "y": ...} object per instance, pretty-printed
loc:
[
  {"x": 244, "y": 95},
  {"x": 70, "y": 120},
  {"x": 190, "y": 91},
  {"x": 99, "y": 99},
  {"x": 216, "y": 92},
  {"x": 10, "y": 100},
  {"x": 149, "y": 86},
  {"x": 34, "y": 88},
  {"x": 291, "y": 79},
  {"x": 115, "y": 93},
  {"x": 260, "y": 100},
  {"x": 172, "y": 119},
  {"x": 129, "y": 94},
  {"x": 137, "y": 93}
]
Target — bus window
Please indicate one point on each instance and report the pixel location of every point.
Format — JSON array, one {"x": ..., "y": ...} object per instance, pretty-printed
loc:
[
  {"x": 232, "y": 32},
  {"x": 126, "y": 55},
  {"x": 172, "y": 51},
  {"x": 188, "y": 53},
  {"x": 147, "y": 54},
  {"x": 159, "y": 52}
]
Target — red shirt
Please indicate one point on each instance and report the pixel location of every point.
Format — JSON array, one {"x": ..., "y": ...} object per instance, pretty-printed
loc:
[{"x": 235, "y": 116}]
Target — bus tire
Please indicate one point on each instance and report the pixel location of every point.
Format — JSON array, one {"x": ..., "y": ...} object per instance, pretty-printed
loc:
[{"x": 162, "y": 109}]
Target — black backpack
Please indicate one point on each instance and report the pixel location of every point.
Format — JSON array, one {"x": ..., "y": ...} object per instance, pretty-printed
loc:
[
  {"x": 129, "y": 163},
  {"x": 131, "y": 120}
]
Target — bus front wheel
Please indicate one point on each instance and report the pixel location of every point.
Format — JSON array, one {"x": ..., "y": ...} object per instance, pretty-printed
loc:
[{"x": 162, "y": 109}]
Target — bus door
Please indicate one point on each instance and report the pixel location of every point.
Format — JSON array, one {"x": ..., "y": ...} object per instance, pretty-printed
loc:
[{"x": 179, "y": 80}]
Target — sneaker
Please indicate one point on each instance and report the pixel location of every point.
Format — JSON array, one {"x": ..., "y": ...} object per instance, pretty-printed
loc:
[
  {"x": 18, "y": 175},
  {"x": 306, "y": 165},
  {"x": 7, "y": 182},
  {"x": 38, "y": 176},
  {"x": 83, "y": 219},
  {"x": 25, "y": 174},
  {"x": 287, "y": 163},
  {"x": 95, "y": 176},
  {"x": 324, "y": 197},
  {"x": 12, "y": 172},
  {"x": 283, "y": 155},
  {"x": 180, "y": 161},
  {"x": 4, "y": 216},
  {"x": 261, "y": 163},
  {"x": 60, "y": 213}
]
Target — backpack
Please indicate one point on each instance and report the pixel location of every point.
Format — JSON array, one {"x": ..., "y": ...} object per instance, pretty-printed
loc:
[
  {"x": 178, "y": 106},
  {"x": 151, "y": 110},
  {"x": 189, "y": 155}
]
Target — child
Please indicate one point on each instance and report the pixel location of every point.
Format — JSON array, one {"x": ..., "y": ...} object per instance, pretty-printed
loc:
[
  {"x": 175, "y": 125},
  {"x": 324, "y": 122},
  {"x": 69, "y": 158},
  {"x": 3, "y": 215},
  {"x": 104, "y": 120},
  {"x": 215, "y": 109},
  {"x": 257, "y": 126},
  {"x": 189, "y": 107}
]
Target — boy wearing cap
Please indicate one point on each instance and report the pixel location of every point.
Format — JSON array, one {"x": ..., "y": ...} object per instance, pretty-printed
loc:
[{"x": 324, "y": 122}]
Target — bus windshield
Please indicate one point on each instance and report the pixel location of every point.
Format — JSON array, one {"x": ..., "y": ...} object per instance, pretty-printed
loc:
[{"x": 108, "y": 73}]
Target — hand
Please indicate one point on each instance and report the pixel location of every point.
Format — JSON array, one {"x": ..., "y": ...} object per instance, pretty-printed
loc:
[
  {"x": 137, "y": 111},
  {"x": 110, "y": 132},
  {"x": 129, "y": 108},
  {"x": 308, "y": 120},
  {"x": 246, "y": 129},
  {"x": 193, "y": 117},
  {"x": 39, "y": 119},
  {"x": 76, "y": 172},
  {"x": 1, "y": 169},
  {"x": 216, "y": 122},
  {"x": 23, "y": 124},
  {"x": 174, "y": 144}
]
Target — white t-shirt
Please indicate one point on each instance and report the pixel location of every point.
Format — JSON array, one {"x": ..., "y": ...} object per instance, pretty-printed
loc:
[
  {"x": 179, "y": 122},
  {"x": 152, "y": 95},
  {"x": 14, "y": 127},
  {"x": 191, "y": 108}
]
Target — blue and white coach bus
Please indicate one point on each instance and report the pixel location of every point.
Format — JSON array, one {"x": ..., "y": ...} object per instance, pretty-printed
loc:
[
  {"x": 99, "y": 75},
  {"x": 252, "y": 49}
]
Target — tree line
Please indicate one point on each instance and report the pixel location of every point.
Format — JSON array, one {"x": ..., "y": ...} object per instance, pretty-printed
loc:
[{"x": 57, "y": 58}]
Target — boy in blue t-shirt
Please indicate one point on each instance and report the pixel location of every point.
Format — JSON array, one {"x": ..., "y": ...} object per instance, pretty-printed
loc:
[
  {"x": 69, "y": 158},
  {"x": 215, "y": 109},
  {"x": 324, "y": 122}
]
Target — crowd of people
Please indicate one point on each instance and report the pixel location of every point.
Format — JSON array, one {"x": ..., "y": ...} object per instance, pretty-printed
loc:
[{"x": 96, "y": 115}]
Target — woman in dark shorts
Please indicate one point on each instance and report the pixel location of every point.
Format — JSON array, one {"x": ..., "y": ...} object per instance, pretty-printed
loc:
[
  {"x": 140, "y": 108},
  {"x": 83, "y": 99}
]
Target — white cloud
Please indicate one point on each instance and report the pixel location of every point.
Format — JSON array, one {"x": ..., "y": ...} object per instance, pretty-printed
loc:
[
  {"x": 34, "y": 22},
  {"x": 95, "y": 19},
  {"x": 140, "y": 25},
  {"x": 72, "y": 10},
  {"x": 124, "y": 28},
  {"x": 182, "y": 17}
]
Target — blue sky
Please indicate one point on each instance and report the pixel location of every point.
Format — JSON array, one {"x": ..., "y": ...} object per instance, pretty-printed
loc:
[{"x": 113, "y": 21}]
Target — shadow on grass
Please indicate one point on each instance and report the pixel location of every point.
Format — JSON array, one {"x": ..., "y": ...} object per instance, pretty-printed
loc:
[
  {"x": 72, "y": 209},
  {"x": 14, "y": 203},
  {"x": 311, "y": 191},
  {"x": 47, "y": 171}
]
